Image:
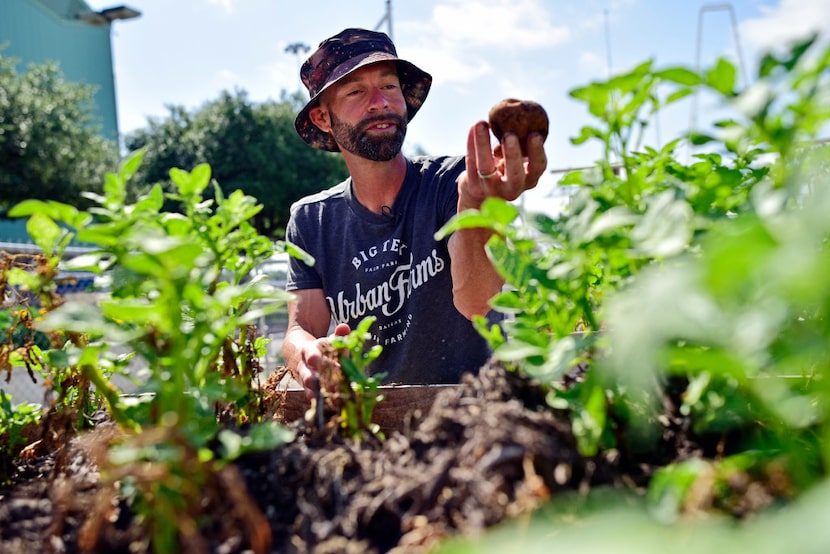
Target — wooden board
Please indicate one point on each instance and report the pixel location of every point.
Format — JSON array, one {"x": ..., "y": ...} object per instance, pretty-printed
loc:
[{"x": 402, "y": 405}]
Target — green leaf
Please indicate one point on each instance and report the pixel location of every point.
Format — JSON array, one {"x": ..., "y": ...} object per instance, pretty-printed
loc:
[
  {"x": 152, "y": 202},
  {"x": 17, "y": 276},
  {"x": 85, "y": 318},
  {"x": 131, "y": 165},
  {"x": 85, "y": 262},
  {"x": 666, "y": 228},
  {"x": 495, "y": 214},
  {"x": 191, "y": 183},
  {"x": 297, "y": 252},
  {"x": 514, "y": 350},
  {"x": 670, "y": 485},
  {"x": 55, "y": 210},
  {"x": 45, "y": 232},
  {"x": 115, "y": 191},
  {"x": 586, "y": 133},
  {"x": 679, "y": 75},
  {"x": 589, "y": 421},
  {"x": 722, "y": 77},
  {"x": 677, "y": 95},
  {"x": 611, "y": 220}
]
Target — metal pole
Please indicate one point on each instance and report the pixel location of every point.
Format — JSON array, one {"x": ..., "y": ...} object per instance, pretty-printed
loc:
[
  {"x": 387, "y": 17},
  {"x": 713, "y": 7},
  {"x": 608, "y": 43}
]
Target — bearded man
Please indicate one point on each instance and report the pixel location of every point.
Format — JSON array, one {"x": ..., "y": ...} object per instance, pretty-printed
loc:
[{"x": 372, "y": 236}]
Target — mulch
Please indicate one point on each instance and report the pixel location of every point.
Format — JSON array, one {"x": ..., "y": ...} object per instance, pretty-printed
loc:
[{"x": 488, "y": 451}]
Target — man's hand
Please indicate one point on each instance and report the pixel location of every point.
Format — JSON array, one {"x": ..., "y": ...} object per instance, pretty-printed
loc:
[
  {"x": 504, "y": 173},
  {"x": 314, "y": 360}
]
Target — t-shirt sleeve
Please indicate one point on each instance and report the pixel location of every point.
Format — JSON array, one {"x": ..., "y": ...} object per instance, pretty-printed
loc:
[
  {"x": 448, "y": 173},
  {"x": 300, "y": 274}
]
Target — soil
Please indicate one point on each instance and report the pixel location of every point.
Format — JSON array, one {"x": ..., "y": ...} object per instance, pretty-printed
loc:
[{"x": 487, "y": 451}]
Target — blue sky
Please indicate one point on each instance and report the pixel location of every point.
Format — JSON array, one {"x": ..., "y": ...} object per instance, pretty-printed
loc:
[{"x": 185, "y": 52}]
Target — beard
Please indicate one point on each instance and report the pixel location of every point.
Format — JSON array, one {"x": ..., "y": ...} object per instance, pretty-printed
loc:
[{"x": 354, "y": 139}]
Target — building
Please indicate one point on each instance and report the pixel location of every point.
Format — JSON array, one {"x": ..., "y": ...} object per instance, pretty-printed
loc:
[
  {"x": 78, "y": 39},
  {"x": 74, "y": 36}
]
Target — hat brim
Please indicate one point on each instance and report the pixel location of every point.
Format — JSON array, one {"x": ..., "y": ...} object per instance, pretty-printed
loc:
[{"x": 415, "y": 85}]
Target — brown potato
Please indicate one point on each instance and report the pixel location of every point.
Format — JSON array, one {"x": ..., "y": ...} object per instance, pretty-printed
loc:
[{"x": 520, "y": 117}]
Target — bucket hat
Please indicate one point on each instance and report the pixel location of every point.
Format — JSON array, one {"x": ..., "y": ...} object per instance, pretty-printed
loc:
[{"x": 339, "y": 56}]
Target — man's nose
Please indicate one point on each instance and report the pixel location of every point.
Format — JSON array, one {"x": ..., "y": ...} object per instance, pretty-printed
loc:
[{"x": 378, "y": 100}]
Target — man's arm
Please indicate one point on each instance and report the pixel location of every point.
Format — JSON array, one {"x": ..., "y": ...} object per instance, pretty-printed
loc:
[{"x": 475, "y": 280}]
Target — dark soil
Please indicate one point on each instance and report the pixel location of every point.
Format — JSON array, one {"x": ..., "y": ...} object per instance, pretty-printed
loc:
[{"x": 488, "y": 451}]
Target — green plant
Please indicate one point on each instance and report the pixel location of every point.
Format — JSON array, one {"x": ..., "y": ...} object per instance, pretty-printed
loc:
[
  {"x": 44, "y": 119},
  {"x": 180, "y": 300},
  {"x": 358, "y": 391},
  {"x": 15, "y": 420},
  {"x": 711, "y": 272},
  {"x": 251, "y": 146},
  {"x": 711, "y": 276},
  {"x": 32, "y": 284}
]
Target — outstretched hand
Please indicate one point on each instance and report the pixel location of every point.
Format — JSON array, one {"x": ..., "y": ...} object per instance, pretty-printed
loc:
[
  {"x": 314, "y": 359},
  {"x": 503, "y": 173}
]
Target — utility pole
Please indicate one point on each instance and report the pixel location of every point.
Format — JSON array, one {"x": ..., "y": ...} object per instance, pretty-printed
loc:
[{"x": 387, "y": 17}]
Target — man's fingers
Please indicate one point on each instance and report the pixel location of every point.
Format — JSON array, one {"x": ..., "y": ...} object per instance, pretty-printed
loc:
[
  {"x": 309, "y": 379},
  {"x": 514, "y": 167},
  {"x": 537, "y": 161}
]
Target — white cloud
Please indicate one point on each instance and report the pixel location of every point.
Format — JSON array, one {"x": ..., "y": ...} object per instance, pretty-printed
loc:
[
  {"x": 448, "y": 65},
  {"x": 227, "y": 5},
  {"x": 226, "y": 76},
  {"x": 790, "y": 20},
  {"x": 463, "y": 39},
  {"x": 502, "y": 23},
  {"x": 591, "y": 61}
]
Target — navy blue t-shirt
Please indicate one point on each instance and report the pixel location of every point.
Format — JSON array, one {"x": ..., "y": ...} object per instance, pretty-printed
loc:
[{"x": 390, "y": 266}]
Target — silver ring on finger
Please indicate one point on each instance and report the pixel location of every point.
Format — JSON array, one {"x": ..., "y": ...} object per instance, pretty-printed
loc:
[{"x": 486, "y": 175}]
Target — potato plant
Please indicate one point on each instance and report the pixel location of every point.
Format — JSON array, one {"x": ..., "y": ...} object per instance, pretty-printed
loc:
[
  {"x": 179, "y": 301},
  {"x": 358, "y": 394},
  {"x": 711, "y": 273}
]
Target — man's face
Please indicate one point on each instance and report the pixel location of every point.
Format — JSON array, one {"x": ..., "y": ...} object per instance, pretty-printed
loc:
[{"x": 366, "y": 112}]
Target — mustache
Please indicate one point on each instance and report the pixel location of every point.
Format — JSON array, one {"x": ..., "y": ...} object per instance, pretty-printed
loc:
[{"x": 399, "y": 121}]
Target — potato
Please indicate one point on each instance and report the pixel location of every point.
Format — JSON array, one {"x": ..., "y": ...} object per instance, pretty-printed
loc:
[{"x": 520, "y": 117}]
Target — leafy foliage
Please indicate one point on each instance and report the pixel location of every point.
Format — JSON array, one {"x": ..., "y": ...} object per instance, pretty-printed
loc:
[
  {"x": 181, "y": 301},
  {"x": 358, "y": 392},
  {"x": 14, "y": 421},
  {"x": 250, "y": 147},
  {"x": 712, "y": 274},
  {"x": 43, "y": 120}
]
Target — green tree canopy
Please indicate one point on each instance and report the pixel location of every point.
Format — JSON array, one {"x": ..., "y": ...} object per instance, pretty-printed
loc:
[
  {"x": 50, "y": 146},
  {"x": 251, "y": 147}
]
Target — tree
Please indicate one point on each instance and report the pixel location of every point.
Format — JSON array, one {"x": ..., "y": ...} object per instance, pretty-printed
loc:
[
  {"x": 250, "y": 147},
  {"x": 50, "y": 146}
]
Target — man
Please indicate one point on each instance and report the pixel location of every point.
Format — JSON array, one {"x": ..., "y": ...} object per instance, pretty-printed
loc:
[{"x": 372, "y": 236}]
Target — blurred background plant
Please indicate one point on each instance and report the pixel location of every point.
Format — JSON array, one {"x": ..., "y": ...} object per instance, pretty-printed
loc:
[{"x": 701, "y": 287}]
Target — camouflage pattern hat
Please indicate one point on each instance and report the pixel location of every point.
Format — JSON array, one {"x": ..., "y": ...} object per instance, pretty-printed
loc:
[{"x": 339, "y": 56}]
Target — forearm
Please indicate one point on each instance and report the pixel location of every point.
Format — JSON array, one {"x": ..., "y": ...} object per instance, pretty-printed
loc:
[
  {"x": 505, "y": 176},
  {"x": 475, "y": 280}
]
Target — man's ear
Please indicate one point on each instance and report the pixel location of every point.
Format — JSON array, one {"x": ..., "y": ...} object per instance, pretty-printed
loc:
[{"x": 320, "y": 117}]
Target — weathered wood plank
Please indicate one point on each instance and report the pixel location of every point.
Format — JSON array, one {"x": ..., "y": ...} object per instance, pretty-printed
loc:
[{"x": 402, "y": 405}]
